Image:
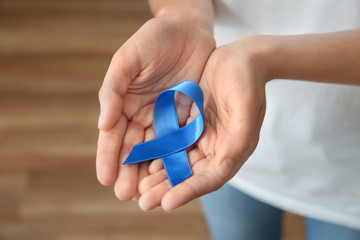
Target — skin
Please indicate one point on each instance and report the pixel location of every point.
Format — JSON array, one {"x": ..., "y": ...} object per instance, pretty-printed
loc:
[
  {"x": 234, "y": 82},
  {"x": 232, "y": 126},
  {"x": 166, "y": 50},
  {"x": 174, "y": 47}
]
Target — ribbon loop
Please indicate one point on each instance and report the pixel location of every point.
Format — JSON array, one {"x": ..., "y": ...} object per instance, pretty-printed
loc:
[{"x": 171, "y": 141}]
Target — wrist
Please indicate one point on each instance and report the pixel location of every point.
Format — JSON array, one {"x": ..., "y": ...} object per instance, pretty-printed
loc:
[
  {"x": 262, "y": 51},
  {"x": 198, "y": 18}
]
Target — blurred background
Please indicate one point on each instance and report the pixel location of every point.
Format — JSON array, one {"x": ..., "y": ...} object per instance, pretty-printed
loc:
[{"x": 53, "y": 57}]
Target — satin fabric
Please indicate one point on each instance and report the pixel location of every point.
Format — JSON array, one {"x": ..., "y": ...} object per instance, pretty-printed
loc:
[{"x": 171, "y": 141}]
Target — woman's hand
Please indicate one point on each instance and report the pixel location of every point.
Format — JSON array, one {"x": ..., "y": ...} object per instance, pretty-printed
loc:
[
  {"x": 165, "y": 51},
  {"x": 233, "y": 83},
  {"x": 234, "y": 88}
]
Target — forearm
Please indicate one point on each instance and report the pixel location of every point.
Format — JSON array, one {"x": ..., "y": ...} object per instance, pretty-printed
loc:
[
  {"x": 329, "y": 57},
  {"x": 200, "y": 12}
]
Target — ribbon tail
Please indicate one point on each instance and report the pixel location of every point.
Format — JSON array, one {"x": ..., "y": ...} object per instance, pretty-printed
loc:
[
  {"x": 171, "y": 143},
  {"x": 177, "y": 167}
]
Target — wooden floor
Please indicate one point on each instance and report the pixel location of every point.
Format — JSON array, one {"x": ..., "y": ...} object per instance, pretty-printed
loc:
[{"x": 53, "y": 56}]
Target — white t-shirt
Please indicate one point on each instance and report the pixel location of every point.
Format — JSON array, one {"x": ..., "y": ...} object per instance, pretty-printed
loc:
[{"x": 308, "y": 157}]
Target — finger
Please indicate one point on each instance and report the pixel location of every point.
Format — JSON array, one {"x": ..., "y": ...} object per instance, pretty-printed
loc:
[
  {"x": 126, "y": 183},
  {"x": 228, "y": 160},
  {"x": 155, "y": 166},
  {"x": 195, "y": 186},
  {"x": 151, "y": 181},
  {"x": 194, "y": 154},
  {"x": 205, "y": 179},
  {"x": 193, "y": 113},
  {"x": 144, "y": 166},
  {"x": 107, "y": 157},
  {"x": 244, "y": 128},
  {"x": 152, "y": 198},
  {"x": 182, "y": 106},
  {"x": 123, "y": 67},
  {"x": 143, "y": 172}
]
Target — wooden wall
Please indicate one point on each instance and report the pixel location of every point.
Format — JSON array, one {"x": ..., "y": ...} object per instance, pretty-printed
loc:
[{"x": 53, "y": 56}]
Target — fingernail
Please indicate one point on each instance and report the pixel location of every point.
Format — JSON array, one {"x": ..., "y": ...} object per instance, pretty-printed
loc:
[{"x": 226, "y": 167}]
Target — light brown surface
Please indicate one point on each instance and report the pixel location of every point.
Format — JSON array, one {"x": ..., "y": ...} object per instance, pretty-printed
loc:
[{"x": 53, "y": 56}]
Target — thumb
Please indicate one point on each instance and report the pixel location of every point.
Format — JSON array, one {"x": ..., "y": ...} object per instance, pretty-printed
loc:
[
  {"x": 122, "y": 69},
  {"x": 237, "y": 145},
  {"x": 231, "y": 156},
  {"x": 110, "y": 108}
]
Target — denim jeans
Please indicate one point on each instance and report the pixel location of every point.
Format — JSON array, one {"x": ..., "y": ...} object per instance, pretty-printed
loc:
[{"x": 233, "y": 215}]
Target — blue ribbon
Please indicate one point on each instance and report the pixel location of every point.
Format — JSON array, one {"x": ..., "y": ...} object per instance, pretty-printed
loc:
[{"x": 171, "y": 141}]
